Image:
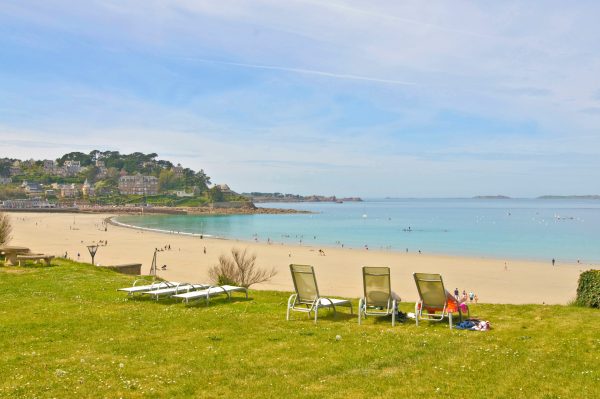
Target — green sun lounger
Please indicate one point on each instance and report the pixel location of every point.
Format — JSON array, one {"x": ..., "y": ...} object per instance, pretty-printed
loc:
[
  {"x": 306, "y": 298},
  {"x": 378, "y": 298},
  {"x": 433, "y": 298}
]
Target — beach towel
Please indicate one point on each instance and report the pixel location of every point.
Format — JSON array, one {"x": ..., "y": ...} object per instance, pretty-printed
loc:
[{"x": 474, "y": 325}]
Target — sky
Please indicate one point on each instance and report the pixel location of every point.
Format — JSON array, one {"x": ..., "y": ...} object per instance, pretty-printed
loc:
[{"x": 348, "y": 98}]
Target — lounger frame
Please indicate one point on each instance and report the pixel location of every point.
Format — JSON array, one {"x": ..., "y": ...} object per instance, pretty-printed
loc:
[
  {"x": 424, "y": 303},
  {"x": 209, "y": 292},
  {"x": 138, "y": 289},
  {"x": 377, "y": 278},
  {"x": 174, "y": 290},
  {"x": 306, "y": 298}
]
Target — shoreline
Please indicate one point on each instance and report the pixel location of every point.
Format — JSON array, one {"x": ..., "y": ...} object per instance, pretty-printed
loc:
[
  {"x": 507, "y": 258},
  {"x": 338, "y": 272},
  {"x": 116, "y": 223}
]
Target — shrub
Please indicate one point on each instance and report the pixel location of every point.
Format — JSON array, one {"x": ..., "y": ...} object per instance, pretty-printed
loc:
[
  {"x": 588, "y": 289},
  {"x": 239, "y": 270},
  {"x": 5, "y": 228}
]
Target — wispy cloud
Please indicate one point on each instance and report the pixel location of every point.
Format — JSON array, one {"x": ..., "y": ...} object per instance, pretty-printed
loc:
[{"x": 306, "y": 72}]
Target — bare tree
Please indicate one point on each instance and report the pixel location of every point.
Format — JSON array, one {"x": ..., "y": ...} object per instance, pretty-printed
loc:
[
  {"x": 240, "y": 270},
  {"x": 5, "y": 228}
]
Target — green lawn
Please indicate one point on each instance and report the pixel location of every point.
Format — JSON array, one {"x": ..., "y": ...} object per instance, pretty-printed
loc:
[{"x": 66, "y": 332}]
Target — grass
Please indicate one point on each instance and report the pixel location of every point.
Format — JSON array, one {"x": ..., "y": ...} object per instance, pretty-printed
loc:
[{"x": 66, "y": 332}]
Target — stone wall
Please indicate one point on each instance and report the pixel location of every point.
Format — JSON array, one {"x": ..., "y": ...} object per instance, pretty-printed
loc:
[{"x": 134, "y": 269}]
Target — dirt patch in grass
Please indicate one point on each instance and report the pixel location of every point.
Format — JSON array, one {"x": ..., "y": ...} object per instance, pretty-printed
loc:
[{"x": 15, "y": 270}]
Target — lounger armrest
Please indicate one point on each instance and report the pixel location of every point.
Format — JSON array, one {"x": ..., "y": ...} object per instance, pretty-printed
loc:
[{"x": 141, "y": 279}]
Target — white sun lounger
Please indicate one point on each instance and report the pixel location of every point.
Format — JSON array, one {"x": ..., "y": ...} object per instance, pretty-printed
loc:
[
  {"x": 174, "y": 290},
  {"x": 210, "y": 292},
  {"x": 135, "y": 289}
]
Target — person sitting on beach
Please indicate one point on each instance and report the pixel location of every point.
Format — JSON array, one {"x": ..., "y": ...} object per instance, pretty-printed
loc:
[{"x": 164, "y": 267}]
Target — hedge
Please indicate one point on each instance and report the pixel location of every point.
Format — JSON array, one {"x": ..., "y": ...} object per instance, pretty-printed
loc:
[{"x": 588, "y": 290}]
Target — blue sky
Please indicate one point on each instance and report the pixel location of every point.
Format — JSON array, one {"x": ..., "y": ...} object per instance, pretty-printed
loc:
[{"x": 378, "y": 98}]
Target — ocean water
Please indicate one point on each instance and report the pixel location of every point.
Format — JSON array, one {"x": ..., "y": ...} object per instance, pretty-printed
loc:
[{"x": 567, "y": 230}]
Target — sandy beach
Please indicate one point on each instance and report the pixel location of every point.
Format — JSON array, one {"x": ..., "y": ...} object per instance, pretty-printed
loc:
[{"x": 338, "y": 272}]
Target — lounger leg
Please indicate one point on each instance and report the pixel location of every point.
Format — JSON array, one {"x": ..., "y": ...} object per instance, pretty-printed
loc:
[
  {"x": 316, "y": 314},
  {"x": 394, "y": 305},
  {"x": 417, "y": 313},
  {"x": 360, "y": 301},
  {"x": 450, "y": 318},
  {"x": 287, "y": 316}
]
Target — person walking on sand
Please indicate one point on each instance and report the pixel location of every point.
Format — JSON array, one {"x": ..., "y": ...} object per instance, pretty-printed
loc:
[
  {"x": 204, "y": 250},
  {"x": 456, "y": 292},
  {"x": 476, "y": 298},
  {"x": 553, "y": 261}
]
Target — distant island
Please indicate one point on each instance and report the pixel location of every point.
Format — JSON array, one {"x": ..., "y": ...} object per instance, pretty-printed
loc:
[
  {"x": 279, "y": 197},
  {"x": 581, "y": 197},
  {"x": 491, "y": 197}
]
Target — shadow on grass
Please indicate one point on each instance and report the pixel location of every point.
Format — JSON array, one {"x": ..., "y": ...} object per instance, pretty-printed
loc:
[
  {"x": 36, "y": 265},
  {"x": 201, "y": 303},
  {"x": 323, "y": 315}
]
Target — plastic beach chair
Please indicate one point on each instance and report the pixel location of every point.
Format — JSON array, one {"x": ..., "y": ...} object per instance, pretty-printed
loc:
[
  {"x": 174, "y": 290},
  {"x": 377, "y": 294},
  {"x": 136, "y": 289},
  {"x": 306, "y": 298},
  {"x": 434, "y": 298},
  {"x": 210, "y": 292}
]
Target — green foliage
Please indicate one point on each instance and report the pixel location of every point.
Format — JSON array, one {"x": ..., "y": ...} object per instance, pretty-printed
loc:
[
  {"x": 215, "y": 194},
  {"x": 191, "y": 201},
  {"x": 5, "y": 164},
  {"x": 10, "y": 192},
  {"x": 84, "y": 159},
  {"x": 66, "y": 332},
  {"x": 114, "y": 163},
  {"x": 588, "y": 289},
  {"x": 168, "y": 181}
]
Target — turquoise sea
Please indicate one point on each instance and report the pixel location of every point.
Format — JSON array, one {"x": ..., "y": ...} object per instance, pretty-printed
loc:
[{"x": 567, "y": 230}]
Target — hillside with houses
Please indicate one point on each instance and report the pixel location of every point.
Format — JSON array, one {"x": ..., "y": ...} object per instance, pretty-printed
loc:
[{"x": 106, "y": 178}]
